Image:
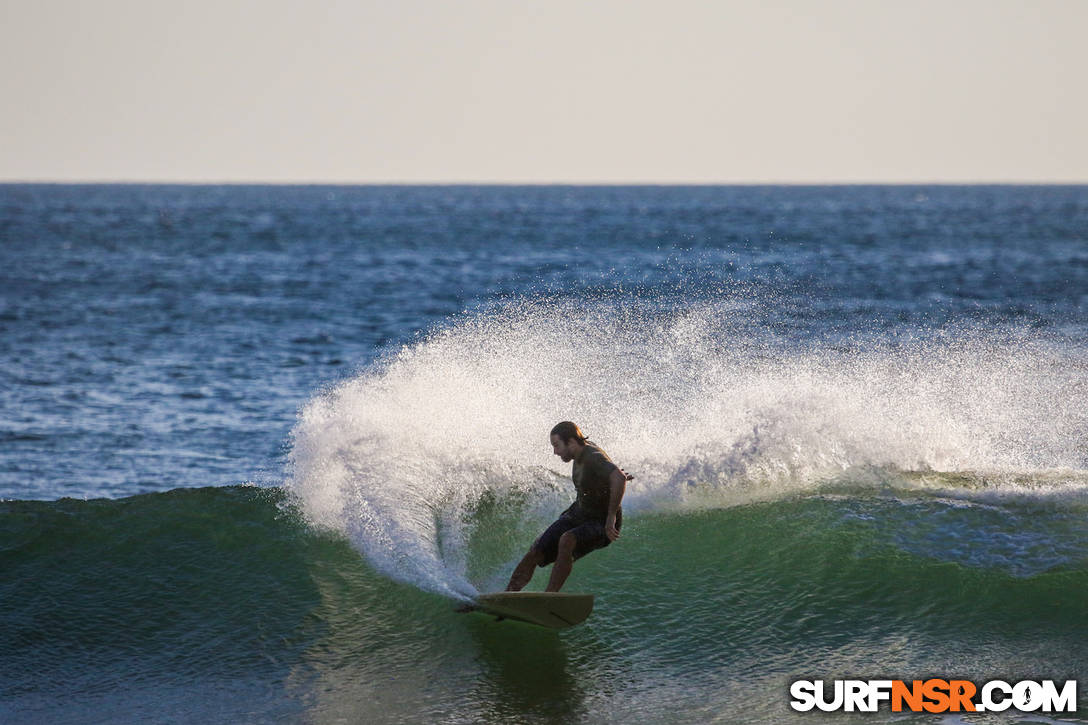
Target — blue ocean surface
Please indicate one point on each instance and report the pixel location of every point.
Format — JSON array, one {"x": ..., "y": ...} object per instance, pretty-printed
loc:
[{"x": 257, "y": 443}]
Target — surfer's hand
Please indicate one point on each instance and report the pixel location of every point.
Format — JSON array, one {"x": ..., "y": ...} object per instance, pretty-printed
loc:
[{"x": 610, "y": 529}]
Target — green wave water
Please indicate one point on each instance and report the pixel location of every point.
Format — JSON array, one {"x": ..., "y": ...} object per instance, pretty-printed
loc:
[{"x": 701, "y": 614}]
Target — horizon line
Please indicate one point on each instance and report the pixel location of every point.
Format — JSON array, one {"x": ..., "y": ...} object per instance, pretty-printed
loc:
[{"x": 512, "y": 183}]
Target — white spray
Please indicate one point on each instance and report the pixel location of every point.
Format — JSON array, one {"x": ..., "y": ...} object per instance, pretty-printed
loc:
[{"x": 692, "y": 402}]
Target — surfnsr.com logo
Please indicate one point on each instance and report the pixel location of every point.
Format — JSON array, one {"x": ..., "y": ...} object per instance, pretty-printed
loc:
[{"x": 933, "y": 695}]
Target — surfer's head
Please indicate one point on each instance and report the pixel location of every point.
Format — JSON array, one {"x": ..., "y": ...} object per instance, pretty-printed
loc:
[{"x": 567, "y": 440}]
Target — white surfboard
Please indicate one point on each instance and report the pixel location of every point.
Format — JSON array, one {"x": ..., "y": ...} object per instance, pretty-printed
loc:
[{"x": 557, "y": 610}]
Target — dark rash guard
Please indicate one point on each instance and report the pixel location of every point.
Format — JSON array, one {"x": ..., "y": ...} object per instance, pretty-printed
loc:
[{"x": 591, "y": 471}]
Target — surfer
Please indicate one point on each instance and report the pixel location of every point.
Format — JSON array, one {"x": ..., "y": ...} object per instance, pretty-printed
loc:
[{"x": 593, "y": 521}]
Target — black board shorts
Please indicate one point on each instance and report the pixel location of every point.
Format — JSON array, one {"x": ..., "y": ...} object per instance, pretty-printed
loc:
[{"x": 588, "y": 531}]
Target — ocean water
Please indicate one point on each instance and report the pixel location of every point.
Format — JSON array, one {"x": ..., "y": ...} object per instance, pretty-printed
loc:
[{"x": 258, "y": 443}]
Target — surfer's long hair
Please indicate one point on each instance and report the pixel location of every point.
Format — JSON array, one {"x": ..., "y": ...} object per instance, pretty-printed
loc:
[{"x": 567, "y": 430}]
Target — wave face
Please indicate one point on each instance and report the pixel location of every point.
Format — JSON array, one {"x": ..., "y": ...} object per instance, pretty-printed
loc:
[
  {"x": 216, "y": 572},
  {"x": 705, "y": 410},
  {"x": 115, "y": 607}
]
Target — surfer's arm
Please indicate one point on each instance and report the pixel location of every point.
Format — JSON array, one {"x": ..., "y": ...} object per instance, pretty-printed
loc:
[{"x": 617, "y": 484}]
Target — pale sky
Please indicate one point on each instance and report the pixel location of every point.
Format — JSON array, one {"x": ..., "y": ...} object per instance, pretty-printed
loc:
[{"x": 579, "y": 91}]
